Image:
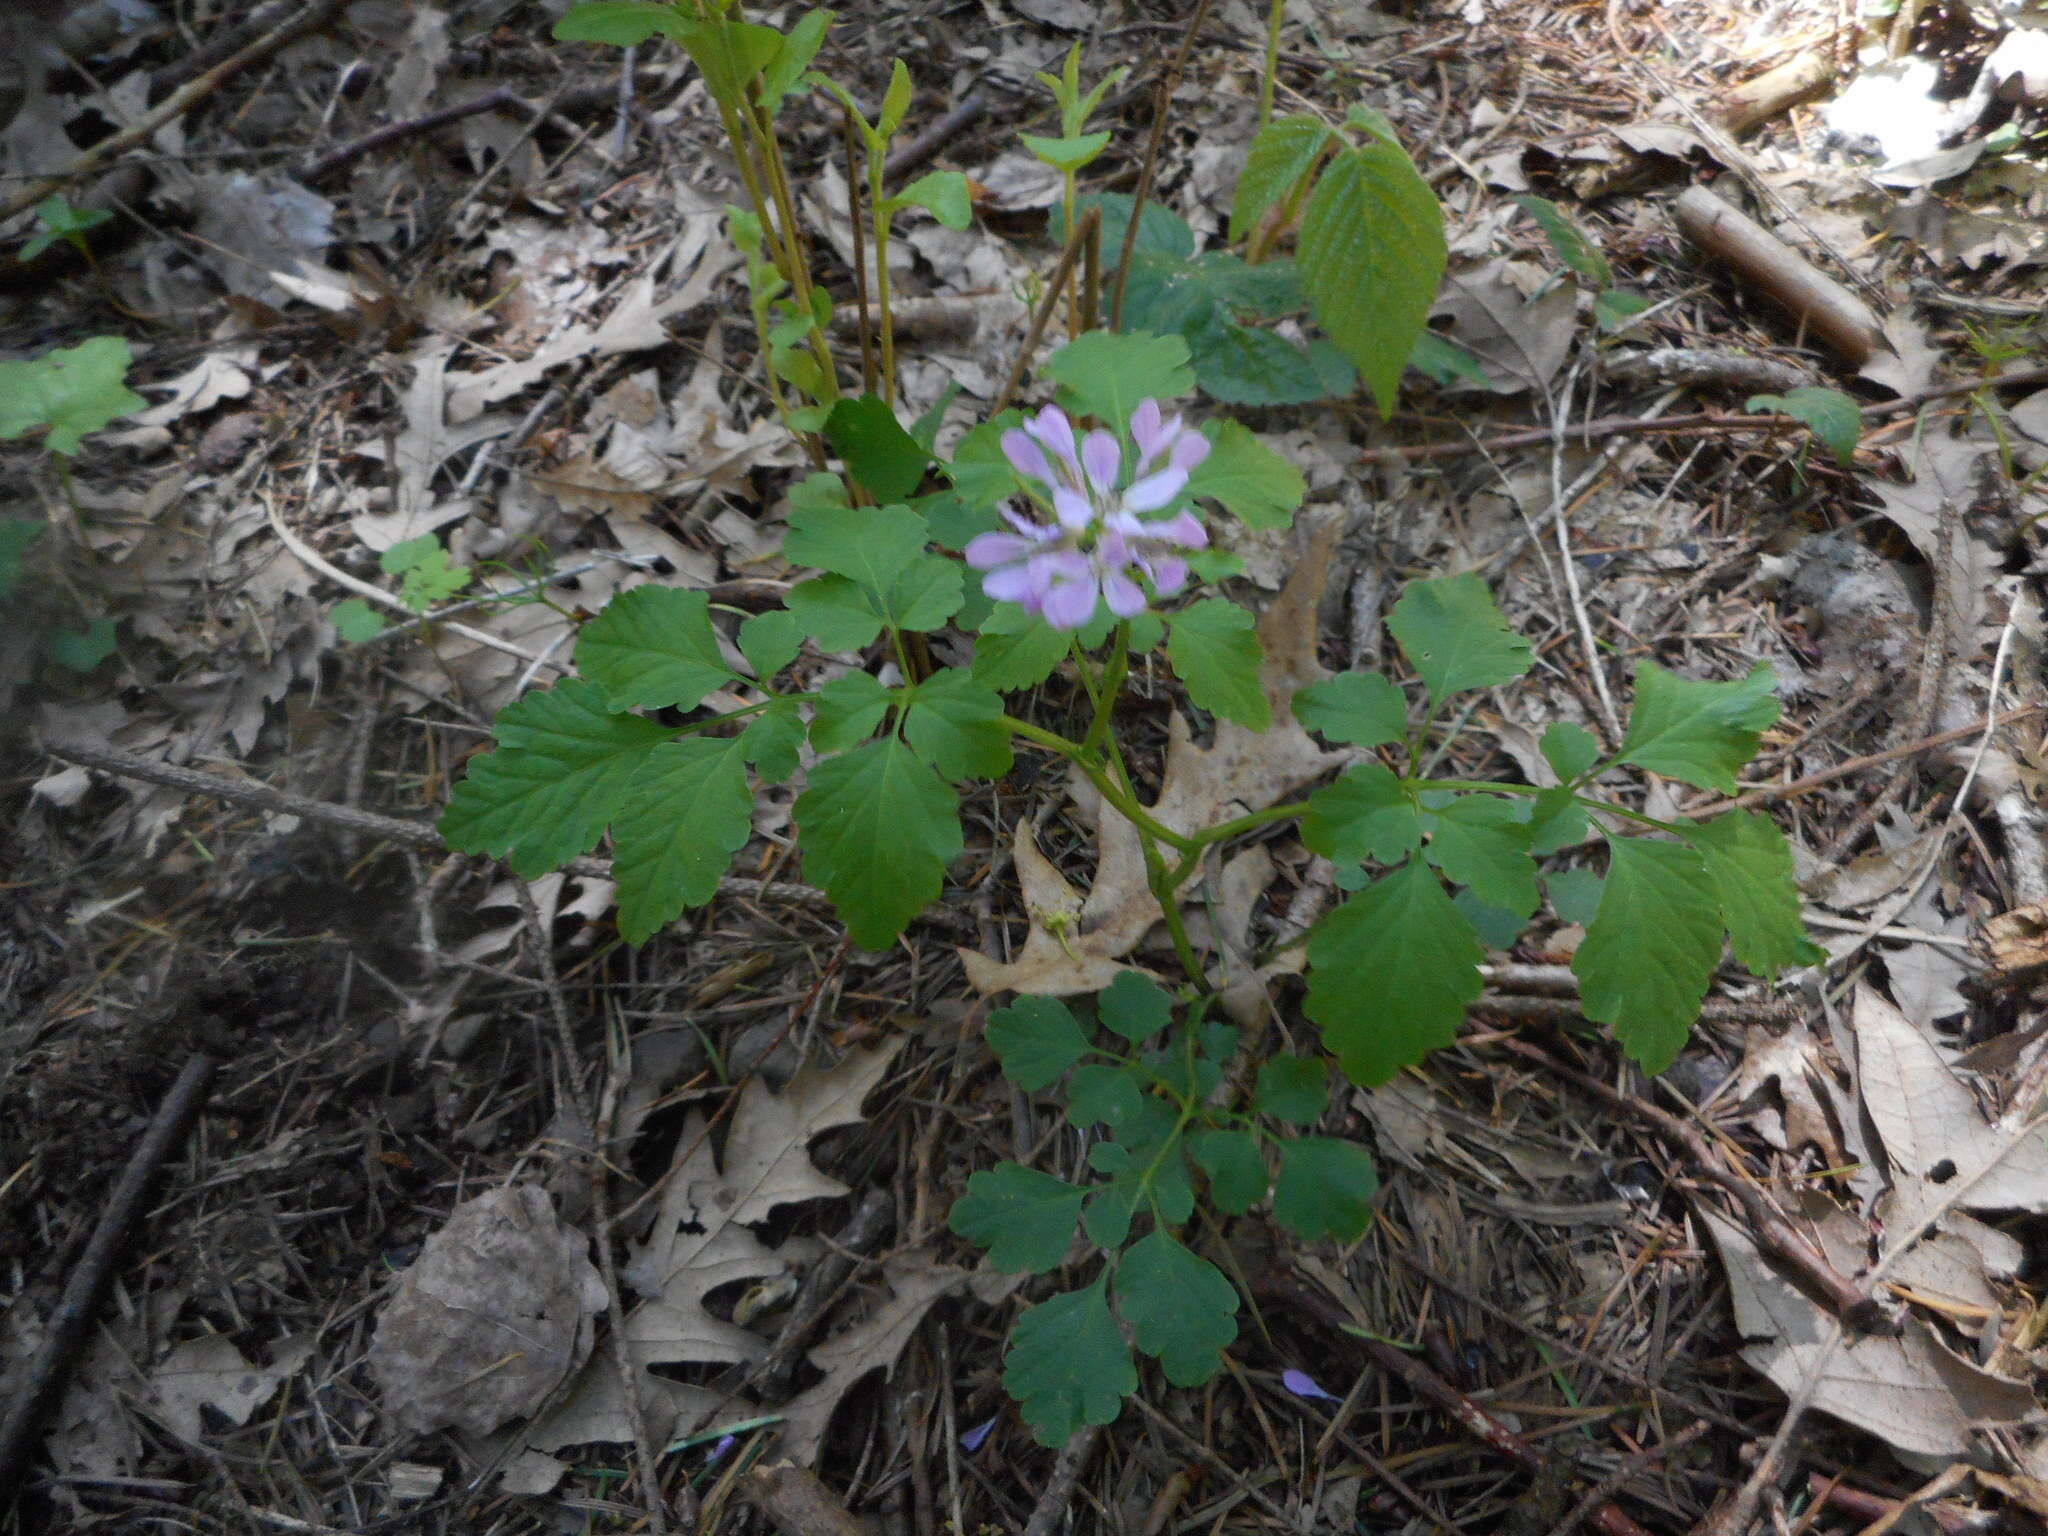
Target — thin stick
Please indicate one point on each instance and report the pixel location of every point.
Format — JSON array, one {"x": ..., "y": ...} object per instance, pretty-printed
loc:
[
  {"x": 1051, "y": 1508},
  {"x": 1076, "y": 240},
  {"x": 1158, "y": 136},
  {"x": 348, "y": 154},
  {"x": 38, "y": 1391},
  {"x": 860, "y": 251}
]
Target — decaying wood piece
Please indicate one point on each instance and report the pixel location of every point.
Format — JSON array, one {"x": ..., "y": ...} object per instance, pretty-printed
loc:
[
  {"x": 1823, "y": 307},
  {"x": 797, "y": 1502},
  {"x": 1799, "y": 79}
]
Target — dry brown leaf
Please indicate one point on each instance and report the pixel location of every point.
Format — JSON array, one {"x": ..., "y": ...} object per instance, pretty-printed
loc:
[
  {"x": 1910, "y": 1391},
  {"x": 208, "y": 1372},
  {"x": 490, "y": 1319},
  {"x": 1792, "y": 1061},
  {"x": 1075, "y": 942}
]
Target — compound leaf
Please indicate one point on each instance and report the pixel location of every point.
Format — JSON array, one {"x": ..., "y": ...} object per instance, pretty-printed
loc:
[
  {"x": 687, "y": 811},
  {"x": 1216, "y": 654},
  {"x": 1024, "y": 1218},
  {"x": 1569, "y": 749},
  {"x": 1036, "y": 1039},
  {"x": 1068, "y": 1366},
  {"x": 1325, "y": 1188},
  {"x": 653, "y": 648},
  {"x": 1651, "y": 947},
  {"x": 1698, "y": 733},
  {"x": 1180, "y": 1307},
  {"x": 1750, "y": 866},
  {"x": 1455, "y": 636},
  {"x": 878, "y": 829},
  {"x": 71, "y": 392},
  {"x": 562, "y": 769},
  {"x": 1390, "y": 974}
]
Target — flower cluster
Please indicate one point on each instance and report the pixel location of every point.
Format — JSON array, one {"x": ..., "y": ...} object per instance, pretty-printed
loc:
[{"x": 1101, "y": 541}]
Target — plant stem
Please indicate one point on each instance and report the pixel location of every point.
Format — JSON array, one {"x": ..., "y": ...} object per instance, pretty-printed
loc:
[
  {"x": 1275, "y": 13},
  {"x": 1126, "y": 805}
]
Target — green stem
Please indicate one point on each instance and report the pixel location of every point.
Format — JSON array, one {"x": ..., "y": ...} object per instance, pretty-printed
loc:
[
  {"x": 1275, "y": 13},
  {"x": 1108, "y": 686},
  {"x": 880, "y": 212},
  {"x": 1126, "y": 805}
]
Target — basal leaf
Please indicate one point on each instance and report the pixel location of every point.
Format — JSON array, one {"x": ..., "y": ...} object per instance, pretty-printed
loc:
[
  {"x": 1830, "y": 415},
  {"x": 1237, "y": 1174},
  {"x": 863, "y": 430},
  {"x": 1361, "y": 708},
  {"x": 1017, "y": 650},
  {"x": 847, "y": 712},
  {"x": 1105, "y": 374},
  {"x": 1252, "y": 482},
  {"x": 1651, "y": 948},
  {"x": 560, "y": 772},
  {"x": 1180, "y": 1307},
  {"x": 653, "y": 648},
  {"x": 954, "y": 722},
  {"x": 1133, "y": 1006},
  {"x": 1750, "y": 866},
  {"x": 770, "y": 642},
  {"x": 1698, "y": 733},
  {"x": 1371, "y": 253},
  {"x": 1216, "y": 654},
  {"x": 878, "y": 829},
  {"x": 1455, "y": 636},
  {"x": 1036, "y": 1039},
  {"x": 1024, "y": 1218},
  {"x": 687, "y": 811},
  {"x": 1325, "y": 1188},
  {"x": 1293, "y": 1088},
  {"x": 621, "y": 23},
  {"x": 1068, "y": 1366},
  {"x": 1481, "y": 841},
  {"x": 835, "y": 611},
  {"x": 1366, "y": 814},
  {"x": 1284, "y": 152},
  {"x": 1390, "y": 974}
]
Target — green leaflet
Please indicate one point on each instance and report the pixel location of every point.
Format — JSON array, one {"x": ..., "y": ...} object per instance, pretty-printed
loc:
[
  {"x": 653, "y": 648},
  {"x": 687, "y": 810},
  {"x": 1698, "y": 733},
  {"x": 1750, "y": 866},
  {"x": 878, "y": 829},
  {"x": 1180, "y": 1307},
  {"x": 1455, "y": 636},
  {"x": 1068, "y": 1366},
  {"x": 1651, "y": 947},
  {"x": 1216, "y": 654}
]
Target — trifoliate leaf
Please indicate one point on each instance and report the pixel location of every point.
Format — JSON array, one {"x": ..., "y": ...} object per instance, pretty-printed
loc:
[
  {"x": 1293, "y": 1088},
  {"x": 1325, "y": 1189},
  {"x": 954, "y": 722},
  {"x": 1569, "y": 749},
  {"x": 1017, "y": 650},
  {"x": 653, "y": 648},
  {"x": 1367, "y": 813},
  {"x": 1216, "y": 654},
  {"x": 1481, "y": 841},
  {"x": 1455, "y": 637},
  {"x": 884, "y": 458},
  {"x": 1254, "y": 484},
  {"x": 561, "y": 770},
  {"x": 1750, "y": 866},
  {"x": 1180, "y": 1307},
  {"x": 354, "y": 620},
  {"x": 1371, "y": 253},
  {"x": 687, "y": 811},
  {"x": 1284, "y": 152},
  {"x": 1105, "y": 374},
  {"x": 1024, "y": 1218},
  {"x": 878, "y": 829},
  {"x": 1698, "y": 733},
  {"x": 770, "y": 642},
  {"x": 1068, "y": 1366},
  {"x": 1390, "y": 974},
  {"x": 1133, "y": 1006},
  {"x": 71, "y": 392},
  {"x": 771, "y": 739},
  {"x": 1361, "y": 708},
  {"x": 1830, "y": 415},
  {"x": 848, "y": 710},
  {"x": 1036, "y": 1039},
  {"x": 1650, "y": 949},
  {"x": 1237, "y": 1174},
  {"x": 835, "y": 611}
]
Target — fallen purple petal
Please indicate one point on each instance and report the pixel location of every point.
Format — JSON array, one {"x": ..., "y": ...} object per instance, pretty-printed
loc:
[
  {"x": 972, "y": 1440},
  {"x": 1301, "y": 1384}
]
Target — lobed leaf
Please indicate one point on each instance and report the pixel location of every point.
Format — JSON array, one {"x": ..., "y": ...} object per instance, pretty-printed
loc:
[
  {"x": 1698, "y": 733},
  {"x": 847, "y": 712},
  {"x": 1214, "y": 647},
  {"x": 1325, "y": 1188},
  {"x": 1455, "y": 636},
  {"x": 1750, "y": 866},
  {"x": 1024, "y": 1218},
  {"x": 835, "y": 611},
  {"x": 653, "y": 648},
  {"x": 1367, "y": 813},
  {"x": 1253, "y": 483},
  {"x": 1651, "y": 948},
  {"x": 562, "y": 768},
  {"x": 1570, "y": 750},
  {"x": 771, "y": 739},
  {"x": 1067, "y": 1366},
  {"x": 1390, "y": 974},
  {"x": 1180, "y": 1307},
  {"x": 1295, "y": 1089},
  {"x": 770, "y": 642},
  {"x": 71, "y": 392},
  {"x": 687, "y": 811},
  {"x": 1017, "y": 650},
  {"x": 1361, "y": 708},
  {"x": 954, "y": 722},
  {"x": 878, "y": 829},
  {"x": 1134, "y": 1006},
  {"x": 1237, "y": 1174},
  {"x": 1105, "y": 374},
  {"x": 1482, "y": 842},
  {"x": 884, "y": 458}
]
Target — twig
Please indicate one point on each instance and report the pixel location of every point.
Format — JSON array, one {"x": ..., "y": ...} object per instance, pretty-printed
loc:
[
  {"x": 960, "y": 117},
  {"x": 1614, "y": 1481},
  {"x": 1774, "y": 1232},
  {"x": 369, "y": 143},
  {"x": 1051, "y": 1507},
  {"x": 1077, "y": 237},
  {"x": 36, "y": 1392},
  {"x": 1160, "y": 113},
  {"x": 177, "y": 104}
]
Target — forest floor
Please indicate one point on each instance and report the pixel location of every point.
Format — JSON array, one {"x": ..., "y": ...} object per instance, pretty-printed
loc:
[{"x": 1588, "y": 1298}]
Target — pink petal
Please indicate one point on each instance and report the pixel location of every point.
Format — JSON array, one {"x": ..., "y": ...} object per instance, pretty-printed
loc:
[
  {"x": 1183, "y": 530},
  {"x": 1054, "y": 431},
  {"x": 1124, "y": 596},
  {"x": 1190, "y": 450},
  {"x": 1012, "y": 584},
  {"x": 1025, "y": 456},
  {"x": 1073, "y": 509},
  {"x": 1070, "y": 595},
  {"x": 1155, "y": 491},
  {"x": 986, "y": 551},
  {"x": 1102, "y": 458},
  {"x": 1169, "y": 574},
  {"x": 1145, "y": 429}
]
